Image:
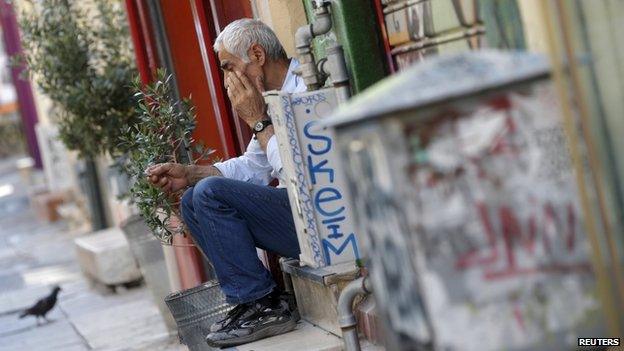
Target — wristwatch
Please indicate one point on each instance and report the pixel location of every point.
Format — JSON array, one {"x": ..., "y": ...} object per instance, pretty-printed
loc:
[{"x": 261, "y": 125}]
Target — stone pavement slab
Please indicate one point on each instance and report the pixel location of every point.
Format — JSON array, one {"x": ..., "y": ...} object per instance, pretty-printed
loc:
[
  {"x": 17, "y": 300},
  {"x": 304, "y": 337},
  {"x": 11, "y": 324},
  {"x": 125, "y": 326},
  {"x": 36, "y": 255},
  {"x": 57, "y": 335}
]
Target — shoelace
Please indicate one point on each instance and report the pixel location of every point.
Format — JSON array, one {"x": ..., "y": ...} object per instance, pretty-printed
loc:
[{"x": 235, "y": 312}]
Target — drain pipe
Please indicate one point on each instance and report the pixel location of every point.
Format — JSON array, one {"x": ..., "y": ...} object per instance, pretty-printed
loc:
[
  {"x": 303, "y": 38},
  {"x": 336, "y": 68},
  {"x": 346, "y": 318}
]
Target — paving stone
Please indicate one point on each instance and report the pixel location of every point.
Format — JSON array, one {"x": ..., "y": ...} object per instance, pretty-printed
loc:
[
  {"x": 35, "y": 284},
  {"x": 11, "y": 281},
  {"x": 58, "y": 335},
  {"x": 169, "y": 343},
  {"x": 51, "y": 275},
  {"x": 35, "y": 255},
  {"x": 16, "y": 300},
  {"x": 121, "y": 327},
  {"x": 12, "y": 324},
  {"x": 305, "y": 337},
  {"x": 91, "y": 300}
]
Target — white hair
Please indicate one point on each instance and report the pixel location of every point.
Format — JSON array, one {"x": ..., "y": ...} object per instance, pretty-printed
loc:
[{"x": 238, "y": 36}]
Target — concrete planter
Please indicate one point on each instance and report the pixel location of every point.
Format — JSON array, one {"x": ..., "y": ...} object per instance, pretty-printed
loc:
[
  {"x": 148, "y": 252},
  {"x": 105, "y": 257}
]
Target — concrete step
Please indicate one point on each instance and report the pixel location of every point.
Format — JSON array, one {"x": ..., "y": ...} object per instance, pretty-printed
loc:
[
  {"x": 317, "y": 291},
  {"x": 306, "y": 337},
  {"x": 105, "y": 256}
]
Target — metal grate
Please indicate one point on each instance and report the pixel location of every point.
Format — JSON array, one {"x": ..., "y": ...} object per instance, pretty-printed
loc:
[{"x": 194, "y": 310}]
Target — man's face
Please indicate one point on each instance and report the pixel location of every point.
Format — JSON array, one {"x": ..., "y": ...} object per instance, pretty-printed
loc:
[{"x": 230, "y": 63}]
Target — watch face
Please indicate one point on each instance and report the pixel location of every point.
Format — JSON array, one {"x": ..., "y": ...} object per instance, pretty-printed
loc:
[{"x": 259, "y": 126}]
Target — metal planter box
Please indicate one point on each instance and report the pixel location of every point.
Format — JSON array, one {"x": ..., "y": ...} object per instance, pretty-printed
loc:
[
  {"x": 468, "y": 206},
  {"x": 315, "y": 181}
]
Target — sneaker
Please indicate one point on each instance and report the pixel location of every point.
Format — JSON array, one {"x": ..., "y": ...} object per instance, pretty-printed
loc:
[
  {"x": 290, "y": 300},
  {"x": 230, "y": 317},
  {"x": 257, "y": 320}
]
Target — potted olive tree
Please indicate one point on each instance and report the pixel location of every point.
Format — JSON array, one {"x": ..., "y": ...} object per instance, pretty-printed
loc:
[{"x": 163, "y": 135}]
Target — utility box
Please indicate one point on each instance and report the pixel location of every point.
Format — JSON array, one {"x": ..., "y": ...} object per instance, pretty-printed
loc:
[
  {"x": 315, "y": 180},
  {"x": 468, "y": 206}
]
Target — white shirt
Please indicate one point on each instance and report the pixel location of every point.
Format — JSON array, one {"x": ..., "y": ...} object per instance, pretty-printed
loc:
[{"x": 255, "y": 166}]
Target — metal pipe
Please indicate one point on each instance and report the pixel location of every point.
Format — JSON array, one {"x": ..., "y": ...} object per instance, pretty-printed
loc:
[
  {"x": 94, "y": 194},
  {"x": 336, "y": 69},
  {"x": 303, "y": 38},
  {"x": 346, "y": 318}
]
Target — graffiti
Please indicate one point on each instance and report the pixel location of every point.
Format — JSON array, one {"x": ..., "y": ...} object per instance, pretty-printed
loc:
[
  {"x": 308, "y": 99},
  {"x": 475, "y": 231},
  {"x": 329, "y": 201},
  {"x": 302, "y": 184},
  {"x": 316, "y": 190},
  {"x": 547, "y": 234},
  {"x": 511, "y": 207},
  {"x": 498, "y": 216}
]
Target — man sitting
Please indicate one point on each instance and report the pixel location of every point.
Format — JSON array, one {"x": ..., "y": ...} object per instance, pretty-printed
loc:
[{"x": 229, "y": 207}]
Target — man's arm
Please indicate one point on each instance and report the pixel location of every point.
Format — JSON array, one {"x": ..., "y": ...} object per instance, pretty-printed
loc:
[
  {"x": 247, "y": 100},
  {"x": 264, "y": 136},
  {"x": 171, "y": 177},
  {"x": 195, "y": 173}
]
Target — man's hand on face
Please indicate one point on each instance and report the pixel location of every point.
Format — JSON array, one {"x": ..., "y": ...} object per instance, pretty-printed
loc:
[
  {"x": 246, "y": 97},
  {"x": 170, "y": 177}
]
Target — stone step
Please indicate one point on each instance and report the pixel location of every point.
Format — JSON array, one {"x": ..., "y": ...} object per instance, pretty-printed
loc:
[
  {"x": 317, "y": 291},
  {"x": 105, "y": 257}
]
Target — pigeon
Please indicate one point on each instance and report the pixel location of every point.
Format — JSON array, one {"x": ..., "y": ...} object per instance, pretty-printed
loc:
[{"x": 43, "y": 306}]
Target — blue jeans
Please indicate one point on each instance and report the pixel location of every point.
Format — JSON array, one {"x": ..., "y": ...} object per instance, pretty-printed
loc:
[{"x": 229, "y": 219}]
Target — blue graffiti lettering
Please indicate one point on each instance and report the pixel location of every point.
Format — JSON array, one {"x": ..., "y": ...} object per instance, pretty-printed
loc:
[
  {"x": 334, "y": 229},
  {"x": 318, "y": 168},
  {"x": 327, "y": 140},
  {"x": 334, "y": 220},
  {"x": 333, "y": 195},
  {"x": 306, "y": 203},
  {"x": 308, "y": 100},
  {"x": 328, "y": 246}
]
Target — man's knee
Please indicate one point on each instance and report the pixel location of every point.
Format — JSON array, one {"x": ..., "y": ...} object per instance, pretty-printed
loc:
[{"x": 209, "y": 188}]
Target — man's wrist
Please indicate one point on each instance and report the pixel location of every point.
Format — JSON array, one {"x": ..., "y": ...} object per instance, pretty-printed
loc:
[
  {"x": 188, "y": 174},
  {"x": 265, "y": 134},
  {"x": 195, "y": 173},
  {"x": 252, "y": 122}
]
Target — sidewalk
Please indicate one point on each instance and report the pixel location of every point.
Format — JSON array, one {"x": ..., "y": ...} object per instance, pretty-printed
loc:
[{"x": 35, "y": 256}]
